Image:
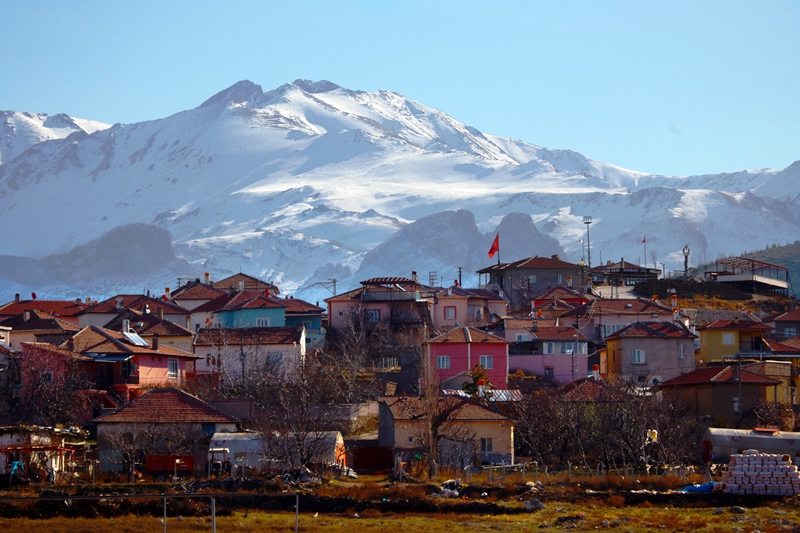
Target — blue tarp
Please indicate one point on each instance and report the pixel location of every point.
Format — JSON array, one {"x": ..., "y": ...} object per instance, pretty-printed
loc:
[{"x": 705, "y": 488}]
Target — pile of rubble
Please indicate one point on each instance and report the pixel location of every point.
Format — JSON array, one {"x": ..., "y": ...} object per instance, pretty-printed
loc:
[{"x": 752, "y": 472}]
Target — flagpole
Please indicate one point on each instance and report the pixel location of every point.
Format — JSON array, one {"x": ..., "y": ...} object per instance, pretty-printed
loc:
[
  {"x": 644, "y": 241},
  {"x": 498, "y": 249}
]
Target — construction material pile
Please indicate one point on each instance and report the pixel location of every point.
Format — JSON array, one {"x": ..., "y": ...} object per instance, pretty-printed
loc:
[{"x": 752, "y": 472}]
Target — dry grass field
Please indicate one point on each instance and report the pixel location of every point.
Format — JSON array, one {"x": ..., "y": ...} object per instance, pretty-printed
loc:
[{"x": 374, "y": 503}]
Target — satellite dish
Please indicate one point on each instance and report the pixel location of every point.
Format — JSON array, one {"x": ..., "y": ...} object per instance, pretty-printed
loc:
[{"x": 656, "y": 382}]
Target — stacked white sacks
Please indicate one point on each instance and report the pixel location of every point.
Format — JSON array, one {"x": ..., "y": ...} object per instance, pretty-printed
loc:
[{"x": 752, "y": 472}]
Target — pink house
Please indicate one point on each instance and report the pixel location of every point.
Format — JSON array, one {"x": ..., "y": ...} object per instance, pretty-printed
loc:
[{"x": 453, "y": 353}]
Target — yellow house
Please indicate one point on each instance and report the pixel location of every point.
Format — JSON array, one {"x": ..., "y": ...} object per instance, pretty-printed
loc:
[
  {"x": 736, "y": 337},
  {"x": 470, "y": 429}
]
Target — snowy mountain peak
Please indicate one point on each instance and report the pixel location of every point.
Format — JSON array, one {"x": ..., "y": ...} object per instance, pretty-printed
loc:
[
  {"x": 241, "y": 92},
  {"x": 316, "y": 87}
]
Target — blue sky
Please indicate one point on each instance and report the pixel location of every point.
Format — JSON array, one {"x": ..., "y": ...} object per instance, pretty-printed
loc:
[{"x": 678, "y": 88}]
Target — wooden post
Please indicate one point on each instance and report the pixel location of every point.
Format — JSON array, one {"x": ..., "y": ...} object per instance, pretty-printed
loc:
[{"x": 165, "y": 513}]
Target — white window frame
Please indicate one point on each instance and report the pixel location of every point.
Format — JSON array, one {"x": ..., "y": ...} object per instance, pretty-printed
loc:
[
  {"x": 560, "y": 278},
  {"x": 681, "y": 351},
  {"x": 520, "y": 337},
  {"x": 637, "y": 357},
  {"x": 262, "y": 322},
  {"x": 726, "y": 337},
  {"x": 487, "y": 362},
  {"x": 172, "y": 368},
  {"x": 789, "y": 332},
  {"x": 372, "y": 316},
  {"x": 443, "y": 362},
  {"x": 450, "y": 312}
]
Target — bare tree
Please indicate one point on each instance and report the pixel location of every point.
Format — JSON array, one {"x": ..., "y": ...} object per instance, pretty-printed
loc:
[
  {"x": 129, "y": 445},
  {"x": 654, "y": 258}
]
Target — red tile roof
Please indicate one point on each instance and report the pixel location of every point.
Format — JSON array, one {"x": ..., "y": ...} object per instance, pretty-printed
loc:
[
  {"x": 295, "y": 305},
  {"x": 717, "y": 374},
  {"x": 135, "y": 301},
  {"x": 557, "y": 333},
  {"x": 47, "y": 347},
  {"x": 786, "y": 346},
  {"x": 40, "y": 322},
  {"x": 623, "y": 306},
  {"x": 789, "y": 316},
  {"x": 250, "y": 283},
  {"x": 147, "y": 324},
  {"x": 60, "y": 308},
  {"x": 529, "y": 322},
  {"x": 164, "y": 406},
  {"x": 561, "y": 292},
  {"x": 740, "y": 325},
  {"x": 656, "y": 330},
  {"x": 247, "y": 336},
  {"x": 467, "y": 334},
  {"x": 413, "y": 408},
  {"x": 240, "y": 300},
  {"x": 196, "y": 291},
  {"x": 535, "y": 262}
]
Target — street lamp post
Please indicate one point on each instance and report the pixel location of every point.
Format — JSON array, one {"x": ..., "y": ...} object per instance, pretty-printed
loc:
[{"x": 588, "y": 222}]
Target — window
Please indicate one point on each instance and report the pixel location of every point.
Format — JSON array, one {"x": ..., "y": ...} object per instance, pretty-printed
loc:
[
  {"x": 727, "y": 339},
  {"x": 125, "y": 368},
  {"x": 450, "y": 312},
  {"x": 443, "y": 361},
  {"x": 681, "y": 352},
  {"x": 637, "y": 357},
  {"x": 47, "y": 377},
  {"x": 487, "y": 362},
  {"x": 172, "y": 370},
  {"x": 559, "y": 279},
  {"x": 262, "y": 322},
  {"x": 608, "y": 329},
  {"x": 411, "y": 440},
  {"x": 552, "y": 347},
  {"x": 274, "y": 358},
  {"x": 532, "y": 278},
  {"x": 307, "y": 324},
  {"x": 735, "y": 404},
  {"x": 486, "y": 445},
  {"x": 549, "y": 373},
  {"x": 373, "y": 316},
  {"x": 789, "y": 332},
  {"x": 520, "y": 337},
  {"x": 568, "y": 348}
]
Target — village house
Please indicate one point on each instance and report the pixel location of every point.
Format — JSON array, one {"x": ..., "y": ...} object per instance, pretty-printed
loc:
[
  {"x": 37, "y": 326},
  {"x": 127, "y": 364},
  {"x": 737, "y": 337},
  {"x": 600, "y": 318},
  {"x": 472, "y": 430},
  {"x": 722, "y": 396},
  {"x": 521, "y": 280},
  {"x": 149, "y": 325},
  {"x": 787, "y": 324},
  {"x": 557, "y": 353},
  {"x": 225, "y": 353},
  {"x": 164, "y": 421},
  {"x": 195, "y": 293},
  {"x": 651, "y": 352},
  {"x": 453, "y": 353},
  {"x": 456, "y": 306},
  {"x": 623, "y": 273},
  {"x": 240, "y": 309}
]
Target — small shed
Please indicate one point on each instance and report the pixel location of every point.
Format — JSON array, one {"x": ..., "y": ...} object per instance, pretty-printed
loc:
[
  {"x": 247, "y": 449},
  {"x": 720, "y": 443}
]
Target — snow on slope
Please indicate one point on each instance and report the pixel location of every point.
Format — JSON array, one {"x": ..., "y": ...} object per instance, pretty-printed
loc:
[
  {"x": 19, "y": 131},
  {"x": 299, "y": 183}
]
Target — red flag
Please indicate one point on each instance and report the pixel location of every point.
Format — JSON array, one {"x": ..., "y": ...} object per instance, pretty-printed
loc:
[
  {"x": 495, "y": 246},
  {"x": 644, "y": 239}
]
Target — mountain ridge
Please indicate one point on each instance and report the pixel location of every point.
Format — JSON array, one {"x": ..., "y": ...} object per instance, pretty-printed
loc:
[{"x": 318, "y": 175}]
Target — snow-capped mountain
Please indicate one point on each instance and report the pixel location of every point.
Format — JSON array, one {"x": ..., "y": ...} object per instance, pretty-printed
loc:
[
  {"x": 312, "y": 181},
  {"x": 20, "y": 131}
]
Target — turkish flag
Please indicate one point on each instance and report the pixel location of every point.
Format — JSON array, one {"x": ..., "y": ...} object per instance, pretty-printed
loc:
[{"x": 495, "y": 246}]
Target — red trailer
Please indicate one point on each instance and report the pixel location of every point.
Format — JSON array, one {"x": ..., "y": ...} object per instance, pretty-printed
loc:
[{"x": 162, "y": 466}]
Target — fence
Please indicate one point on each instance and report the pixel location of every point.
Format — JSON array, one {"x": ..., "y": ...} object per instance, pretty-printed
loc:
[{"x": 163, "y": 496}]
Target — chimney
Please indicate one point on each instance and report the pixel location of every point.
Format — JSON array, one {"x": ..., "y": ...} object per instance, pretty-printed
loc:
[
  {"x": 160, "y": 313},
  {"x": 16, "y": 298},
  {"x": 78, "y": 301},
  {"x": 414, "y": 275},
  {"x": 166, "y": 292},
  {"x": 155, "y": 341},
  {"x": 481, "y": 388},
  {"x": 207, "y": 278},
  {"x": 126, "y": 326},
  {"x": 26, "y": 315},
  {"x": 595, "y": 371},
  {"x": 569, "y": 281},
  {"x": 119, "y": 302},
  {"x": 736, "y": 319}
]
